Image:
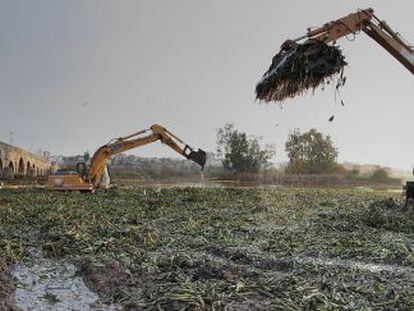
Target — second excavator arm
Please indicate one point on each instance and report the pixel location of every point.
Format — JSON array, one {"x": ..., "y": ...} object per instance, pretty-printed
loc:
[
  {"x": 122, "y": 144},
  {"x": 366, "y": 21}
]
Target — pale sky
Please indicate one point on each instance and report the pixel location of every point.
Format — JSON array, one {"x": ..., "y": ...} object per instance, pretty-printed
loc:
[{"x": 192, "y": 66}]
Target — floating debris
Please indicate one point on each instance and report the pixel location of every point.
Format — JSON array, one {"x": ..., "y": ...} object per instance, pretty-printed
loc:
[{"x": 300, "y": 67}]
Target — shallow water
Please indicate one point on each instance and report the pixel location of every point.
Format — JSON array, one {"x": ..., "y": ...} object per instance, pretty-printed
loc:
[{"x": 47, "y": 284}]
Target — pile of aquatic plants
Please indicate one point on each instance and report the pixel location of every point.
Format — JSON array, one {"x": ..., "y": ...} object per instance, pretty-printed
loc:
[
  {"x": 214, "y": 249},
  {"x": 301, "y": 67}
]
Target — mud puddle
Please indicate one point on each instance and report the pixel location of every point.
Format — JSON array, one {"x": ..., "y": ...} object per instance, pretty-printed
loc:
[{"x": 47, "y": 284}]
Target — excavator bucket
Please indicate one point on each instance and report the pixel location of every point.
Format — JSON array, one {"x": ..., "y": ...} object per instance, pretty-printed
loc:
[{"x": 198, "y": 157}]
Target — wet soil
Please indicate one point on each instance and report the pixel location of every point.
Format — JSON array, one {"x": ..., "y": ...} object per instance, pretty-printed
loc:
[
  {"x": 50, "y": 284},
  {"x": 7, "y": 287}
]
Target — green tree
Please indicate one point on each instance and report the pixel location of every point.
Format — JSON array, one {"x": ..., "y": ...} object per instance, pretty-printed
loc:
[
  {"x": 380, "y": 175},
  {"x": 240, "y": 153},
  {"x": 310, "y": 153},
  {"x": 353, "y": 174}
]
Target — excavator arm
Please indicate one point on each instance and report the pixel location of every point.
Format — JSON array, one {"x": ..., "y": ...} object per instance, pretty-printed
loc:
[
  {"x": 378, "y": 30},
  {"x": 366, "y": 21},
  {"x": 122, "y": 144}
]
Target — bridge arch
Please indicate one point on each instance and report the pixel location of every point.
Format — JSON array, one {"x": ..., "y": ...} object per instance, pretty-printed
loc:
[
  {"x": 20, "y": 167},
  {"x": 33, "y": 171},
  {"x": 11, "y": 166},
  {"x": 30, "y": 170},
  {"x": 8, "y": 171},
  {"x": 19, "y": 162}
]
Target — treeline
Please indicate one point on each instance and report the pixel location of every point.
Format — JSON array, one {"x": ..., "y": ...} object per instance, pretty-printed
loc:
[{"x": 312, "y": 160}]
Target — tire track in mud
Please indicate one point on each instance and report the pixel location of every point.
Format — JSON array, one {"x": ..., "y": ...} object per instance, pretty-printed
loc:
[
  {"x": 358, "y": 265},
  {"x": 254, "y": 257}
]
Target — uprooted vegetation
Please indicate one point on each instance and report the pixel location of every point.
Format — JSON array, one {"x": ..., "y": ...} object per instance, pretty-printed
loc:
[
  {"x": 299, "y": 68},
  {"x": 195, "y": 248},
  {"x": 6, "y": 287}
]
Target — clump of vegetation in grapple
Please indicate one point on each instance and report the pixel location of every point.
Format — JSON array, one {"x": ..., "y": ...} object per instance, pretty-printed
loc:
[{"x": 299, "y": 68}]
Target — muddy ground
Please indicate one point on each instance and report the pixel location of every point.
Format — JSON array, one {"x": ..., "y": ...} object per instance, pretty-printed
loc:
[
  {"x": 240, "y": 249},
  {"x": 6, "y": 287}
]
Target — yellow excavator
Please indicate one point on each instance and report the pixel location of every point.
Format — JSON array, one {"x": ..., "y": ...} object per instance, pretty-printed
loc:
[
  {"x": 379, "y": 31},
  {"x": 96, "y": 176},
  {"x": 367, "y": 22}
]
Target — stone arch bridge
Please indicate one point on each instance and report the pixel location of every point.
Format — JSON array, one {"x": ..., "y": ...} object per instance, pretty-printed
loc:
[{"x": 18, "y": 162}]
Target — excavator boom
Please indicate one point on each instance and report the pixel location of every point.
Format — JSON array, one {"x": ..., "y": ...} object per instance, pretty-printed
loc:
[
  {"x": 402, "y": 52},
  {"x": 122, "y": 144}
]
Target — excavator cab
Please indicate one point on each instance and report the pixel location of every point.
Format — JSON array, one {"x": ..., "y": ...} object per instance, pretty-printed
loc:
[
  {"x": 82, "y": 169},
  {"x": 409, "y": 194}
]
